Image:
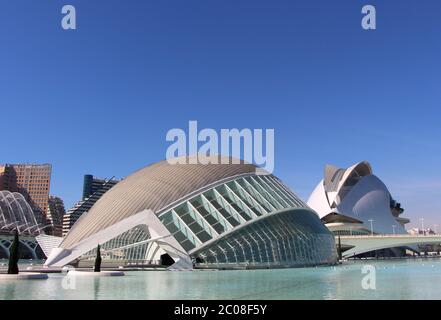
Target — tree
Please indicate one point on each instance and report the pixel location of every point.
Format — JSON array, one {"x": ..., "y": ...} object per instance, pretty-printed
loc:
[
  {"x": 14, "y": 255},
  {"x": 339, "y": 249},
  {"x": 98, "y": 260}
]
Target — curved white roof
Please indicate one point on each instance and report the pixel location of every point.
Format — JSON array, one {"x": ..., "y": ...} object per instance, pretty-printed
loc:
[
  {"x": 370, "y": 200},
  {"x": 356, "y": 193},
  {"x": 153, "y": 187},
  {"x": 336, "y": 178}
]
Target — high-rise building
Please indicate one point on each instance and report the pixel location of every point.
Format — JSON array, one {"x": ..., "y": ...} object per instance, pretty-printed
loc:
[
  {"x": 32, "y": 181},
  {"x": 2, "y": 176},
  {"x": 93, "y": 189},
  {"x": 55, "y": 214},
  {"x": 92, "y": 185}
]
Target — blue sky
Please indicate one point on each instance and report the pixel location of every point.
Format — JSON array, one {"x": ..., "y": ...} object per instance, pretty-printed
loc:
[{"x": 101, "y": 99}]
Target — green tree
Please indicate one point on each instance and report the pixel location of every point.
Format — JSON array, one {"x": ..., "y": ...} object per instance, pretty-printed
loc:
[
  {"x": 14, "y": 255},
  {"x": 98, "y": 260}
]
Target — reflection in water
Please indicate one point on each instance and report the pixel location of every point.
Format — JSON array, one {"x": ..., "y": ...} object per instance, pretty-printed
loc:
[
  {"x": 395, "y": 279},
  {"x": 9, "y": 292},
  {"x": 96, "y": 287}
]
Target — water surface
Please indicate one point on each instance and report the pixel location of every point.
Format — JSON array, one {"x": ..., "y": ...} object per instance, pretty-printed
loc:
[{"x": 395, "y": 279}]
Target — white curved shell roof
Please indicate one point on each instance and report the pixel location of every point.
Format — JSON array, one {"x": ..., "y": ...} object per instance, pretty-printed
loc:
[
  {"x": 370, "y": 200},
  {"x": 153, "y": 187},
  {"x": 367, "y": 199}
]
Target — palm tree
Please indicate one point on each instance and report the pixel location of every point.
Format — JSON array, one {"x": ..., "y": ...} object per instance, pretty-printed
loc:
[
  {"x": 14, "y": 255},
  {"x": 340, "y": 257}
]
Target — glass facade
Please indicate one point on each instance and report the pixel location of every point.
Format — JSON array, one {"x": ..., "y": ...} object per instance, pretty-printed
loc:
[
  {"x": 130, "y": 247},
  {"x": 299, "y": 238},
  {"x": 251, "y": 220},
  {"x": 224, "y": 207},
  {"x": 288, "y": 239}
]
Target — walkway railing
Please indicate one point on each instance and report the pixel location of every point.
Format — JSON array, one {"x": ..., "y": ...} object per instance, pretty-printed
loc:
[{"x": 391, "y": 236}]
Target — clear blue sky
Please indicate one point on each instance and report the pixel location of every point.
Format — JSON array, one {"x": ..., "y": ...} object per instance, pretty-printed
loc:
[{"x": 100, "y": 99}]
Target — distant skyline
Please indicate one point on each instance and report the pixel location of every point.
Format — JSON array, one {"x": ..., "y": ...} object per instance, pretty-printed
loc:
[{"x": 100, "y": 99}]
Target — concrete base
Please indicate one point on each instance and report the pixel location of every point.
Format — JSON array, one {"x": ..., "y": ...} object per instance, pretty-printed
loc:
[
  {"x": 95, "y": 274},
  {"x": 23, "y": 276}
]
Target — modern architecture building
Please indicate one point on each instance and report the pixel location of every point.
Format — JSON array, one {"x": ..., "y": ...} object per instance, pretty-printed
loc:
[
  {"x": 93, "y": 185},
  {"x": 30, "y": 180},
  {"x": 200, "y": 215},
  {"x": 2, "y": 176},
  {"x": 55, "y": 214},
  {"x": 28, "y": 246},
  {"x": 17, "y": 214},
  {"x": 354, "y": 201},
  {"x": 93, "y": 189},
  {"x": 419, "y": 231}
]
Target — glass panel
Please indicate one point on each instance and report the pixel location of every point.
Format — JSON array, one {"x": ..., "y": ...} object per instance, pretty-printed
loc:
[
  {"x": 287, "y": 198},
  {"x": 241, "y": 208},
  {"x": 249, "y": 201},
  {"x": 256, "y": 195},
  {"x": 278, "y": 240},
  {"x": 210, "y": 215},
  {"x": 178, "y": 229},
  {"x": 265, "y": 192},
  {"x": 274, "y": 191},
  {"x": 223, "y": 208},
  {"x": 194, "y": 222}
]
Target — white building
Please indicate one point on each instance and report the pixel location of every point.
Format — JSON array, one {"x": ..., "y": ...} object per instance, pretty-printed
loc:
[
  {"x": 205, "y": 215},
  {"x": 354, "y": 201}
]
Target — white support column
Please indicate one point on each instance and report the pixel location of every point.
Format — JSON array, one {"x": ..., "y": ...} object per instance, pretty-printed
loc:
[{"x": 63, "y": 256}]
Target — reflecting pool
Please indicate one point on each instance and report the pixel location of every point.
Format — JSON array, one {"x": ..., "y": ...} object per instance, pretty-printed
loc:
[{"x": 394, "y": 279}]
